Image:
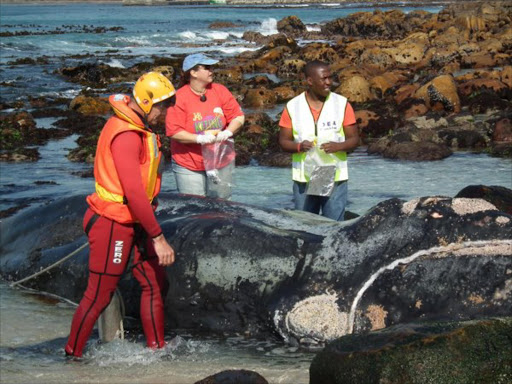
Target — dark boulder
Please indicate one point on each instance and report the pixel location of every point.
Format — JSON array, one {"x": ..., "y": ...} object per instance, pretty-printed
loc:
[
  {"x": 409, "y": 150},
  {"x": 467, "y": 352},
  {"x": 18, "y": 130},
  {"x": 239, "y": 376}
]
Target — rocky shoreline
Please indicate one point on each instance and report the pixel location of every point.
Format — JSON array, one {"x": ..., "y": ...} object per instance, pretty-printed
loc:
[{"x": 423, "y": 85}]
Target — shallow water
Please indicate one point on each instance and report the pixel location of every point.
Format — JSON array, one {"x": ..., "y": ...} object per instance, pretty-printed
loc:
[{"x": 32, "y": 351}]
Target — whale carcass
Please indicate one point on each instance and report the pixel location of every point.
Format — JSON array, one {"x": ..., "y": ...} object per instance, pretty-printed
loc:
[{"x": 246, "y": 270}]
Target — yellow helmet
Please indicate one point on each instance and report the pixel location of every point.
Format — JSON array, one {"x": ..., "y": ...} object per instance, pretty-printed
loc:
[{"x": 152, "y": 88}]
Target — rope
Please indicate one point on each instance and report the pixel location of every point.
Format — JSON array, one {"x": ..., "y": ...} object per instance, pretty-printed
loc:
[{"x": 51, "y": 266}]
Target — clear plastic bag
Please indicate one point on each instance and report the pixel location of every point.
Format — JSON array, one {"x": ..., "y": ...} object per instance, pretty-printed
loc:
[
  {"x": 218, "y": 171},
  {"x": 320, "y": 169}
]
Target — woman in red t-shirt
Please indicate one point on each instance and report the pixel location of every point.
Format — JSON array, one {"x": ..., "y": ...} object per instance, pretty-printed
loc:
[{"x": 201, "y": 124}]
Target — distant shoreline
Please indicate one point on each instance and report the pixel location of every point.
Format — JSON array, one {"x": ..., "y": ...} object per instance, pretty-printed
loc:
[
  {"x": 56, "y": 2},
  {"x": 233, "y": 2}
]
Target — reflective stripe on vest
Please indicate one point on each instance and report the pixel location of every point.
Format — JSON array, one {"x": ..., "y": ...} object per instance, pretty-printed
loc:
[
  {"x": 329, "y": 127},
  {"x": 153, "y": 157}
]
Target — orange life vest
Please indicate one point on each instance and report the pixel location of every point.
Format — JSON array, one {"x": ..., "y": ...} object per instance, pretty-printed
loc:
[{"x": 109, "y": 200}]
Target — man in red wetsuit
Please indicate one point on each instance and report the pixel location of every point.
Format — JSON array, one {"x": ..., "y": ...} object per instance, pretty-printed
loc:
[{"x": 121, "y": 212}]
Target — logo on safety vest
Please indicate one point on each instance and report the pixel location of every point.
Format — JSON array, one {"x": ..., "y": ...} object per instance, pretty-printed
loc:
[
  {"x": 329, "y": 125},
  {"x": 118, "y": 252}
]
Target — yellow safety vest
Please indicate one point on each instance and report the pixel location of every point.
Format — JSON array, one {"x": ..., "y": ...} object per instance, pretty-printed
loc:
[{"x": 329, "y": 127}]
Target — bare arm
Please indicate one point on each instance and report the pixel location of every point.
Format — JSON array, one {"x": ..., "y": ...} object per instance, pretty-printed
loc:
[
  {"x": 288, "y": 145},
  {"x": 235, "y": 124}
]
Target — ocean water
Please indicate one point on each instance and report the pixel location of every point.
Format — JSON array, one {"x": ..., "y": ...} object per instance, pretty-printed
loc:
[{"x": 33, "y": 328}]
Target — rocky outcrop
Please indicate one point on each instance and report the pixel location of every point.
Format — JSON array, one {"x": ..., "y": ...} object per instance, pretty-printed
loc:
[
  {"x": 240, "y": 376},
  {"x": 291, "y": 25},
  {"x": 393, "y": 67},
  {"x": 90, "y": 105},
  {"x": 474, "y": 351},
  {"x": 409, "y": 150},
  {"x": 440, "y": 94},
  {"x": 18, "y": 130}
]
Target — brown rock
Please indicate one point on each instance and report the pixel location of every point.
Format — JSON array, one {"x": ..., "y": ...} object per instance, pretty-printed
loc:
[
  {"x": 276, "y": 53},
  {"x": 480, "y": 60},
  {"x": 223, "y": 24},
  {"x": 451, "y": 37},
  {"x": 20, "y": 155},
  {"x": 291, "y": 25},
  {"x": 229, "y": 75},
  {"x": 166, "y": 70},
  {"x": 377, "y": 122},
  {"x": 407, "y": 53},
  {"x": 471, "y": 86},
  {"x": 340, "y": 65},
  {"x": 451, "y": 68},
  {"x": 506, "y": 76},
  {"x": 255, "y": 129},
  {"x": 255, "y": 37},
  {"x": 441, "y": 56},
  {"x": 356, "y": 48},
  {"x": 415, "y": 111},
  {"x": 492, "y": 45},
  {"x": 471, "y": 22},
  {"x": 284, "y": 93},
  {"x": 291, "y": 68},
  {"x": 363, "y": 117},
  {"x": 259, "y": 136},
  {"x": 380, "y": 84},
  {"x": 356, "y": 89},
  {"x": 260, "y": 97},
  {"x": 440, "y": 94},
  {"x": 319, "y": 51},
  {"x": 271, "y": 41},
  {"x": 502, "y": 131},
  {"x": 275, "y": 159},
  {"x": 377, "y": 58},
  {"x": 90, "y": 106},
  {"x": 405, "y": 92}
]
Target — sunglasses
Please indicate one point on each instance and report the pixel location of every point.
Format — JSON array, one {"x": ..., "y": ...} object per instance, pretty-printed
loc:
[
  {"x": 206, "y": 67},
  {"x": 167, "y": 103}
]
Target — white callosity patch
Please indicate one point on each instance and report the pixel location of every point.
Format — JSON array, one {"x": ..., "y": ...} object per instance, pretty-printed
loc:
[
  {"x": 463, "y": 206},
  {"x": 502, "y": 220},
  {"x": 460, "y": 249},
  {"x": 318, "y": 318},
  {"x": 410, "y": 206},
  {"x": 505, "y": 292},
  {"x": 484, "y": 246}
]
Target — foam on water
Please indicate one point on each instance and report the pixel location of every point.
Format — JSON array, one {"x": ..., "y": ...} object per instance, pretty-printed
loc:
[
  {"x": 217, "y": 35},
  {"x": 268, "y": 27},
  {"x": 114, "y": 63},
  {"x": 188, "y": 35},
  {"x": 313, "y": 28}
]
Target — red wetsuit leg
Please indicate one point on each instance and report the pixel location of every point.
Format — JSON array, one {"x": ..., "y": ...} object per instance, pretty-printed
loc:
[
  {"x": 110, "y": 244},
  {"x": 153, "y": 281}
]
